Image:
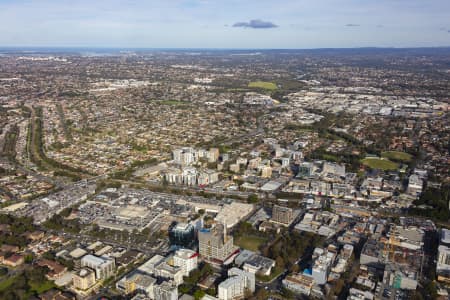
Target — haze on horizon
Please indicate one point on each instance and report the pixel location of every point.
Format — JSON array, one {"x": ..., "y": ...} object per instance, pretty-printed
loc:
[{"x": 225, "y": 24}]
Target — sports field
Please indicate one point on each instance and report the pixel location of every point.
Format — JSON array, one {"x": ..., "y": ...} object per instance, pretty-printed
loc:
[
  {"x": 397, "y": 156},
  {"x": 379, "y": 163},
  {"x": 263, "y": 85}
]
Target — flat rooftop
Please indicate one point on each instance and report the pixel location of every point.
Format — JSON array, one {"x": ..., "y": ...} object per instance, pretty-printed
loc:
[{"x": 132, "y": 211}]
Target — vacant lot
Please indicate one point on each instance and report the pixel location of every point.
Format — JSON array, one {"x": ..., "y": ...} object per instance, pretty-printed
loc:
[
  {"x": 263, "y": 85},
  {"x": 379, "y": 163}
]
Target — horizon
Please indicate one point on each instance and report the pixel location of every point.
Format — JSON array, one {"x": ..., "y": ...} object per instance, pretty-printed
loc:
[
  {"x": 215, "y": 49},
  {"x": 232, "y": 24}
]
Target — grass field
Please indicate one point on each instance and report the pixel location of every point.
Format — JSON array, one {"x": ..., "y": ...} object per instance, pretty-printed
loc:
[
  {"x": 330, "y": 157},
  {"x": 41, "y": 288},
  {"x": 6, "y": 283},
  {"x": 251, "y": 243},
  {"x": 397, "y": 156},
  {"x": 263, "y": 85},
  {"x": 34, "y": 288},
  {"x": 379, "y": 163}
]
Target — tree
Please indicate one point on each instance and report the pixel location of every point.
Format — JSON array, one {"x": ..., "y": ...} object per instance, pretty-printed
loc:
[
  {"x": 431, "y": 289},
  {"x": 338, "y": 287},
  {"x": 253, "y": 198},
  {"x": 261, "y": 294},
  {"x": 416, "y": 296},
  {"x": 247, "y": 293},
  {"x": 199, "y": 294},
  {"x": 279, "y": 261},
  {"x": 211, "y": 291},
  {"x": 29, "y": 258},
  {"x": 184, "y": 288}
]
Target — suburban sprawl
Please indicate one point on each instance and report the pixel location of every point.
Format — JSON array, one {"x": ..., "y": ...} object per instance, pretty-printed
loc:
[{"x": 213, "y": 174}]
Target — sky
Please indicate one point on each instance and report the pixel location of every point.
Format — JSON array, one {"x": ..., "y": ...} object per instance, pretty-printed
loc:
[{"x": 274, "y": 24}]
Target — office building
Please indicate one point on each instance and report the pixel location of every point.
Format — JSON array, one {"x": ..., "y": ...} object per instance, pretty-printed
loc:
[
  {"x": 159, "y": 266},
  {"x": 186, "y": 259},
  {"x": 189, "y": 176},
  {"x": 415, "y": 185},
  {"x": 182, "y": 235},
  {"x": 213, "y": 155},
  {"x": 206, "y": 177},
  {"x": 236, "y": 285},
  {"x": 137, "y": 282},
  {"x": 234, "y": 168},
  {"x": 322, "y": 265},
  {"x": 254, "y": 163},
  {"x": 285, "y": 161},
  {"x": 184, "y": 156},
  {"x": 165, "y": 291},
  {"x": 83, "y": 279},
  {"x": 282, "y": 215},
  {"x": 305, "y": 170},
  {"x": 266, "y": 172},
  {"x": 104, "y": 267}
]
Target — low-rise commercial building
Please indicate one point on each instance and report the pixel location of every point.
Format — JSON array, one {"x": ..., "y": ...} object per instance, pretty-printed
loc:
[{"x": 299, "y": 283}]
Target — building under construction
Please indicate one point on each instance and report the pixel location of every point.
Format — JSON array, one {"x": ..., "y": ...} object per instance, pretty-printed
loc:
[
  {"x": 404, "y": 245},
  {"x": 215, "y": 244}
]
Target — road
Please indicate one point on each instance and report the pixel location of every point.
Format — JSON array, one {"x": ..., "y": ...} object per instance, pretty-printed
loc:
[{"x": 19, "y": 167}]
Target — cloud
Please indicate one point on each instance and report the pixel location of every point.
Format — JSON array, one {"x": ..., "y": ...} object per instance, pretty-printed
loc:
[
  {"x": 352, "y": 25},
  {"x": 256, "y": 24}
]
